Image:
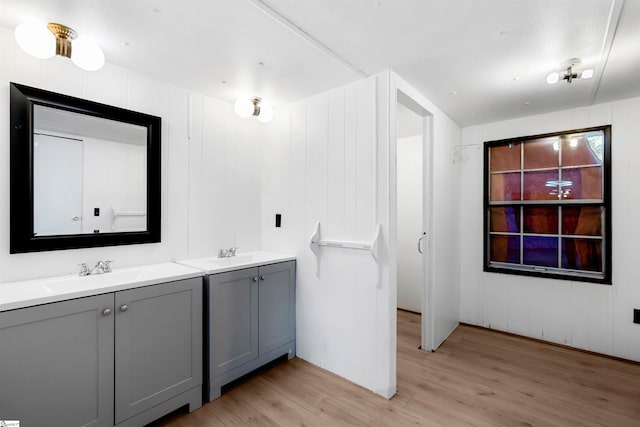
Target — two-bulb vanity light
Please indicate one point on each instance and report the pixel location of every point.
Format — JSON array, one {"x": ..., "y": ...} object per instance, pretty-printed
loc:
[
  {"x": 247, "y": 107},
  {"x": 46, "y": 41}
]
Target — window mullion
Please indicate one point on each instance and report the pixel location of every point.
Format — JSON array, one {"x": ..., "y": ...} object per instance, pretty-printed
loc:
[
  {"x": 521, "y": 206},
  {"x": 560, "y": 195}
]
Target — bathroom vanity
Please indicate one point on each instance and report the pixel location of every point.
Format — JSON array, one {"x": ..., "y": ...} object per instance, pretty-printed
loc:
[
  {"x": 122, "y": 349},
  {"x": 127, "y": 347},
  {"x": 251, "y": 314}
]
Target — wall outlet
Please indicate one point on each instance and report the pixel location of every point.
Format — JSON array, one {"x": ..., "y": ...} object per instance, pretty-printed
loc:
[
  {"x": 636, "y": 315},
  {"x": 96, "y": 211},
  {"x": 278, "y": 220}
]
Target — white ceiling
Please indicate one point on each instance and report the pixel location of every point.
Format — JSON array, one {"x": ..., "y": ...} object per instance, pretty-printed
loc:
[{"x": 478, "y": 60}]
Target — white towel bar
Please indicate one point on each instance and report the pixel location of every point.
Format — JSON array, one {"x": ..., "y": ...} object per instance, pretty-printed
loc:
[{"x": 316, "y": 242}]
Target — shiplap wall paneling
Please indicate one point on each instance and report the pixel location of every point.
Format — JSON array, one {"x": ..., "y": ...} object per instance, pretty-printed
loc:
[
  {"x": 584, "y": 315},
  {"x": 329, "y": 172}
]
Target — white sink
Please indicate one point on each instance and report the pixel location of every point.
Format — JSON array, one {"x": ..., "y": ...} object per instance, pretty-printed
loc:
[
  {"x": 234, "y": 260},
  {"x": 212, "y": 265},
  {"x": 41, "y": 291},
  {"x": 73, "y": 283}
]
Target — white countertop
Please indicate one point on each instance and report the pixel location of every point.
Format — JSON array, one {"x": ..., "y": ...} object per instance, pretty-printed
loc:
[
  {"x": 213, "y": 265},
  {"x": 27, "y": 293}
]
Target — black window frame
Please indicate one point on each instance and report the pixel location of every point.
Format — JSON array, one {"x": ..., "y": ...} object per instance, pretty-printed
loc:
[{"x": 553, "y": 273}]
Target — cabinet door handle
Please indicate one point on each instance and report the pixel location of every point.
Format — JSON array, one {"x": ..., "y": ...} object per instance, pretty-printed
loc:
[
  {"x": 124, "y": 307},
  {"x": 262, "y": 277},
  {"x": 254, "y": 279},
  {"x": 106, "y": 311}
]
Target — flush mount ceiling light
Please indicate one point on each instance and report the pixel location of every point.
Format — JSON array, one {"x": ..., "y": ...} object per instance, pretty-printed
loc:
[
  {"x": 44, "y": 42},
  {"x": 247, "y": 107},
  {"x": 569, "y": 72}
]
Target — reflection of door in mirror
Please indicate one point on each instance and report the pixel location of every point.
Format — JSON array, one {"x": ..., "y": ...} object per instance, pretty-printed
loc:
[
  {"x": 57, "y": 185},
  {"x": 89, "y": 175}
]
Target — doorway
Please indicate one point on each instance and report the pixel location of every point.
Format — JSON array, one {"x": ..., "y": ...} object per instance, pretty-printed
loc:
[
  {"x": 410, "y": 191},
  {"x": 413, "y": 137}
]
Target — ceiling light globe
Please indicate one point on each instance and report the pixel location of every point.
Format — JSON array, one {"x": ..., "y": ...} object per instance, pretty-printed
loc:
[
  {"x": 244, "y": 107},
  {"x": 553, "y": 78},
  {"x": 266, "y": 113},
  {"x": 36, "y": 40},
  {"x": 587, "y": 74},
  {"x": 86, "y": 54}
]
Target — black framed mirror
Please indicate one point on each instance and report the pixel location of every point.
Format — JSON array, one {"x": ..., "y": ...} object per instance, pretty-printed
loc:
[{"x": 83, "y": 174}]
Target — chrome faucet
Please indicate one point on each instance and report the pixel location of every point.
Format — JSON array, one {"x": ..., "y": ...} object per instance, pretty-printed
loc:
[
  {"x": 101, "y": 267},
  {"x": 227, "y": 253}
]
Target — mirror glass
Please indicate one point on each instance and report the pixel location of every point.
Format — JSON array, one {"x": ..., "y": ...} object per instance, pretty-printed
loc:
[
  {"x": 83, "y": 174},
  {"x": 89, "y": 174}
]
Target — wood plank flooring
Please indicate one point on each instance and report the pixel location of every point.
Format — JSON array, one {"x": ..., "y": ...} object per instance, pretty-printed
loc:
[{"x": 477, "y": 378}]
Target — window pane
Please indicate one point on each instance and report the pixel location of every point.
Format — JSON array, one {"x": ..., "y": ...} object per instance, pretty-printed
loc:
[
  {"x": 583, "y": 149},
  {"x": 505, "y": 249},
  {"x": 582, "y": 220},
  {"x": 505, "y": 157},
  {"x": 582, "y": 183},
  {"x": 541, "y": 153},
  {"x": 541, "y": 185},
  {"x": 541, "y": 251},
  {"x": 505, "y": 186},
  {"x": 582, "y": 254},
  {"x": 541, "y": 220},
  {"x": 506, "y": 220}
]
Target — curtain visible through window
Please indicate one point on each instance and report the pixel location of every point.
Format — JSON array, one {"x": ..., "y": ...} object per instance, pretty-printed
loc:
[{"x": 547, "y": 205}]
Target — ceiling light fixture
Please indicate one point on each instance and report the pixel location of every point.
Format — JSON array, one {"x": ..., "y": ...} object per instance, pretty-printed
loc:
[
  {"x": 569, "y": 73},
  {"x": 45, "y": 42},
  {"x": 247, "y": 107}
]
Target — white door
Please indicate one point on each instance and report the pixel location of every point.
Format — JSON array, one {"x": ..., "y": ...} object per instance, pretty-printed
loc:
[
  {"x": 410, "y": 199},
  {"x": 57, "y": 185}
]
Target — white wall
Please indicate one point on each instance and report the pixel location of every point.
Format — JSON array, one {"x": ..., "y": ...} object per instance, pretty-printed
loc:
[
  {"x": 583, "y": 315},
  {"x": 210, "y": 166},
  {"x": 330, "y": 158},
  {"x": 411, "y": 286},
  {"x": 319, "y": 166}
]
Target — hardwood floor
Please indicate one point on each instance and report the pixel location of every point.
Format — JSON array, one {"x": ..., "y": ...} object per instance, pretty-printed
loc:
[{"x": 477, "y": 378}]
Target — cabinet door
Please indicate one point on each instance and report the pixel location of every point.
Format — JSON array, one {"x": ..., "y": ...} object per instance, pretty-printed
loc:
[
  {"x": 277, "y": 305},
  {"x": 233, "y": 319},
  {"x": 56, "y": 363},
  {"x": 158, "y": 344}
]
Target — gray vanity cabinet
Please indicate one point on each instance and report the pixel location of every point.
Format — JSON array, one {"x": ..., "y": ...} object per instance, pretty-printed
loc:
[
  {"x": 56, "y": 363},
  {"x": 158, "y": 346},
  {"x": 233, "y": 305},
  {"x": 251, "y": 320},
  {"x": 123, "y": 358},
  {"x": 276, "y": 308}
]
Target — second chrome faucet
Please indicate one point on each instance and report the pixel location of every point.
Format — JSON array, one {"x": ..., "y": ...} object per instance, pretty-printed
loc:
[{"x": 227, "y": 253}]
